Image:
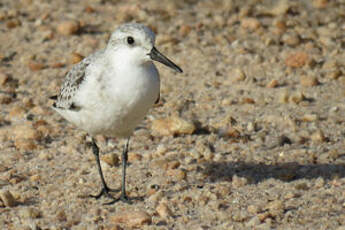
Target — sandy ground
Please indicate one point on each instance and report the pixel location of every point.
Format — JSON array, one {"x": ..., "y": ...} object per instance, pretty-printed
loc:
[{"x": 251, "y": 136}]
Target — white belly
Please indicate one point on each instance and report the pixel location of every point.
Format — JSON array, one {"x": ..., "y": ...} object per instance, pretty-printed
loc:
[{"x": 114, "y": 106}]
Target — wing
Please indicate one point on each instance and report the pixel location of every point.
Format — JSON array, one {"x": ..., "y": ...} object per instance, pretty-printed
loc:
[{"x": 73, "y": 80}]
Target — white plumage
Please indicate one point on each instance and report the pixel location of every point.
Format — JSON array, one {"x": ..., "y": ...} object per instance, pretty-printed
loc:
[{"x": 111, "y": 91}]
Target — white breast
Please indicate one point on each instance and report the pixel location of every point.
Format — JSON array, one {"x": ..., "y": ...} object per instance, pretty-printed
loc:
[{"x": 115, "y": 101}]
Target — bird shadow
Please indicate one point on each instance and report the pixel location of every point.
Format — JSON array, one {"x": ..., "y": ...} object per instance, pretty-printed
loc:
[{"x": 258, "y": 172}]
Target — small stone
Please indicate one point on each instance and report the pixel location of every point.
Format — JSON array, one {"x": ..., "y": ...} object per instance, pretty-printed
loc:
[
  {"x": 28, "y": 102},
  {"x": 61, "y": 216},
  {"x": 76, "y": 58},
  {"x": 229, "y": 132},
  {"x": 238, "y": 75},
  {"x": 254, "y": 221},
  {"x": 297, "y": 97},
  {"x": 275, "y": 208},
  {"x": 35, "y": 178},
  {"x": 160, "y": 163},
  {"x": 334, "y": 74},
  {"x": 291, "y": 39},
  {"x": 26, "y": 132},
  {"x": 163, "y": 210},
  {"x": 57, "y": 65},
  {"x": 272, "y": 84},
  {"x": 13, "y": 23},
  {"x": 68, "y": 27},
  {"x": 132, "y": 219},
  {"x": 7, "y": 198},
  {"x": 280, "y": 8},
  {"x": 250, "y": 23},
  {"x": 134, "y": 157},
  {"x": 5, "y": 100},
  {"x": 31, "y": 213},
  {"x": 17, "y": 112},
  {"x": 25, "y": 145},
  {"x": 320, "y": 3},
  {"x": 318, "y": 137},
  {"x": 173, "y": 164},
  {"x": 310, "y": 117},
  {"x": 297, "y": 59},
  {"x": 253, "y": 209},
  {"x": 248, "y": 100},
  {"x": 319, "y": 182},
  {"x": 172, "y": 126},
  {"x": 284, "y": 97},
  {"x": 35, "y": 66},
  {"x": 308, "y": 81},
  {"x": 238, "y": 182},
  {"x": 89, "y": 9},
  {"x": 111, "y": 159},
  {"x": 184, "y": 30},
  {"x": 302, "y": 186},
  {"x": 177, "y": 174},
  {"x": 4, "y": 78}
]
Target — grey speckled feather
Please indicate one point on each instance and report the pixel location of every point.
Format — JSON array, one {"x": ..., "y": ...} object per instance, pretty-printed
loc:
[{"x": 72, "y": 82}]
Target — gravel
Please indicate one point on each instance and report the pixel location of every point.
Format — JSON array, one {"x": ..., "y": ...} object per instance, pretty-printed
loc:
[{"x": 249, "y": 136}]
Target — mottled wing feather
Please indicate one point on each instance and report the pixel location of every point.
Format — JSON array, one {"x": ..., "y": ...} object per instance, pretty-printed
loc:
[{"x": 72, "y": 82}]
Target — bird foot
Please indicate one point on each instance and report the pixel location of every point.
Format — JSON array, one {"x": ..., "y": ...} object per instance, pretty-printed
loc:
[
  {"x": 105, "y": 192},
  {"x": 123, "y": 198}
]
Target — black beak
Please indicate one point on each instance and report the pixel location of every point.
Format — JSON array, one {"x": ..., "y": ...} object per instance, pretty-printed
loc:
[{"x": 157, "y": 56}]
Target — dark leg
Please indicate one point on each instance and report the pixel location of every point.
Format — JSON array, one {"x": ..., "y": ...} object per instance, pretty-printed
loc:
[
  {"x": 124, "y": 197},
  {"x": 105, "y": 189}
]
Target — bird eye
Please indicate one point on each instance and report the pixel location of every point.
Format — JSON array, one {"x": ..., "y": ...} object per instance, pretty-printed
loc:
[{"x": 130, "y": 40}]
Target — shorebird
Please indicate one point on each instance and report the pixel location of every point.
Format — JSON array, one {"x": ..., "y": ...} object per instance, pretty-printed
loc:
[{"x": 111, "y": 91}]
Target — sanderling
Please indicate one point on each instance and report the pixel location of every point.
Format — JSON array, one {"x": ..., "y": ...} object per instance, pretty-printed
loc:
[{"x": 110, "y": 91}]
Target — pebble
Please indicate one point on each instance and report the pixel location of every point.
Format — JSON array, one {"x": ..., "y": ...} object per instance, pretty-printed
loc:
[
  {"x": 334, "y": 74},
  {"x": 297, "y": 59},
  {"x": 254, "y": 221},
  {"x": 308, "y": 81},
  {"x": 177, "y": 174},
  {"x": 291, "y": 39},
  {"x": 318, "y": 137},
  {"x": 35, "y": 66},
  {"x": 111, "y": 159},
  {"x": 320, "y": 3},
  {"x": 4, "y": 78},
  {"x": 253, "y": 209},
  {"x": 238, "y": 182},
  {"x": 30, "y": 213},
  {"x": 75, "y": 58},
  {"x": 7, "y": 198},
  {"x": 13, "y": 23},
  {"x": 17, "y": 112},
  {"x": 185, "y": 30},
  {"x": 309, "y": 117},
  {"x": 68, "y": 27},
  {"x": 26, "y": 132},
  {"x": 134, "y": 157},
  {"x": 132, "y": 219},
  {"x": 272, "y": 84},
  {"x": 229, "y": 132},
  {"x": 238, "y": 75},
  {"x": 250, "y": 23},
  {"x": 297, "y": 97},
  {"x": 172, "y": 126},
  {"x": 275, "y": 208},
  {"x": 25, "y": 145},
  {"x": 163, "y": 210}
]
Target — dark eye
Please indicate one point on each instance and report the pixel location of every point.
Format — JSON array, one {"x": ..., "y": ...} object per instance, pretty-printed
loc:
[{"x": 130, "y": 40}]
